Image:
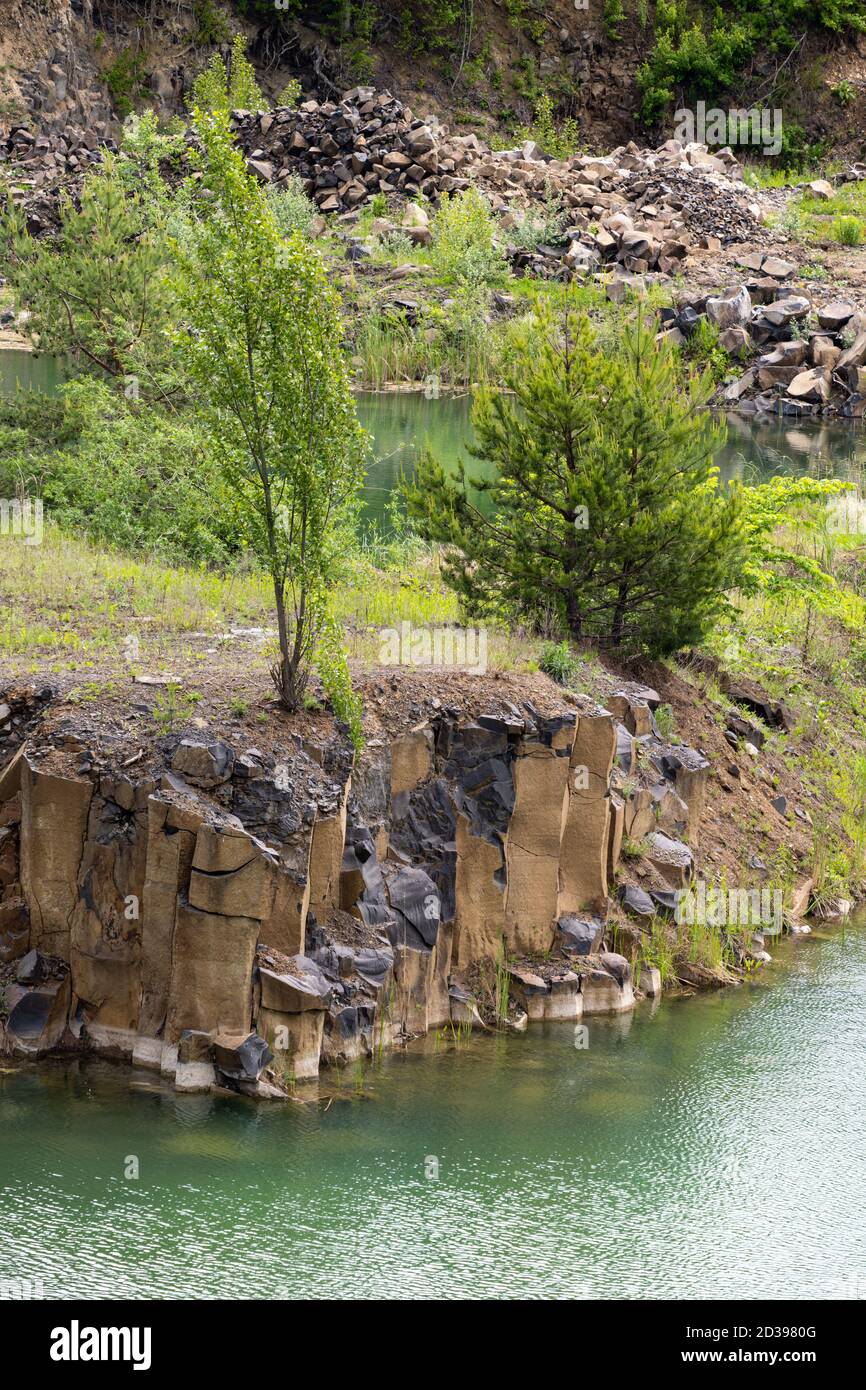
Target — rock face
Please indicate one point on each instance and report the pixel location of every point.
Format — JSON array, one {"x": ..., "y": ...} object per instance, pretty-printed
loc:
[{"x": 236, "y": 920}]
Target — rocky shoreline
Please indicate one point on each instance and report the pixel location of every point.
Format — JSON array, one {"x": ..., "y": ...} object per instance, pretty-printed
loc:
[{"x": 238, "y": 918}]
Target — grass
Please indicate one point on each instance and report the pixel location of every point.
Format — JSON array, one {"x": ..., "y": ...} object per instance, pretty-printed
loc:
[
  {"x": 838, "y": 219},
  {"x": 70, "y": 605}
]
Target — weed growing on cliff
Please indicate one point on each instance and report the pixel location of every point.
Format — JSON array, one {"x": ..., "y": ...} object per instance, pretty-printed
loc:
[
  {"x": 334, "y": 674},
  {"x": 502, "y": 985},
  {"x": 125, "y": 79},
  {"x": 174, "y": 707},
  {"x": 664, "y": 719},
  {"x": 658, "y": 949}
]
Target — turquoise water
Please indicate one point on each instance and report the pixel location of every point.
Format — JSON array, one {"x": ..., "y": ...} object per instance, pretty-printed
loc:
[
  {"x": 404, "y": 423},
  {"x": 709, "y": 1147}
]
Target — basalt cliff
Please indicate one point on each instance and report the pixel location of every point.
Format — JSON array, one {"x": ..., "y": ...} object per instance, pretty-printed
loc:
[{"x": 238, "y": 918}]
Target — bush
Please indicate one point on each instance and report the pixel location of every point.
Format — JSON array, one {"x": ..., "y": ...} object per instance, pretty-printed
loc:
[
  {"x": 848, "y": 231},
  {"x": 223, "y": 89},
  {"x": 558, "y": 661},
  {"x": 688, "y": 60},
  {"x": 463, "y": 245},
  {"x": 559, "y": 141},
  {"x": 120, "y": 473},
  {"x": 125, "y": 79},
  {"x": 293, "y": 210},
  {"x": 211, "y": 24}
]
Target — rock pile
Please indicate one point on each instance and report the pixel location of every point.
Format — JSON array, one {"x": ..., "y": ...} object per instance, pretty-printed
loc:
[
  {"x": 804, "y": 358},
  {"x": 645, "y": 207}
]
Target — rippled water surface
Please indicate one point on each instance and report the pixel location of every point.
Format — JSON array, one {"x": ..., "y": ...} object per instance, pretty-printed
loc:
[{"x": 710, "y": 1147}]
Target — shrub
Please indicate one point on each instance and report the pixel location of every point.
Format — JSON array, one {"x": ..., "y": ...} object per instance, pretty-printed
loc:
[
  {"x": 463, "y": 245},
  {"x": 848, "y": 231},
  {"x": 223, "y": 89},
  {"x": 293, "y": 210},
  {"x": 558, "y": 661},
  {"x": 125, "y": 79}
]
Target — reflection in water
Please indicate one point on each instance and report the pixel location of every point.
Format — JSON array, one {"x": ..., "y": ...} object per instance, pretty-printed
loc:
[
  {"x": 711, "y": 1148},
  {"x": 404, "y": 424}
]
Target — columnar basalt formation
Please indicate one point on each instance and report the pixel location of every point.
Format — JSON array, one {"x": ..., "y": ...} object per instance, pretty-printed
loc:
[{"x": 233, "y": 918}]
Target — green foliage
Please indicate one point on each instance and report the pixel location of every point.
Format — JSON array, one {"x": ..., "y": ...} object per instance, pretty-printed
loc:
[
  {"x": 97, "y": 290},
  {"x": 262, "y": 340},
  {"x": 124, "y": 474},
  {"x": 173, "y": 707},
  {"x": 558, "y": 661},
  {"x": 779, "y": 516},
  {"x": 702, "y": 54},
  {"x": 703, "y": 347},
  {"x": 614, "y": 15},
  {"x": 559, "y": 141},
  {"x": 848, "y": 231},
  {"x": 218, "y": 88},
  {"x": 291, "y": 94},
  {"x": 293, "y": 211},
  {"x": 541, "y": 224},
  {"x": 605, "y": 515},
  {"x": 211, "y": 23},
  {"x": 463, "y": 246},
  {"x": 844, "y": 92},
  {"x": 664, "y": 718},
  {"x": 124, "y": 79},
  {"x": 334, "y": 674}
]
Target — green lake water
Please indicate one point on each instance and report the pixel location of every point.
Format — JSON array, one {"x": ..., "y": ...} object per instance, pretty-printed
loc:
[
  {"x": 707, "y": 1147},
  {"x": 403, "y": 424}
]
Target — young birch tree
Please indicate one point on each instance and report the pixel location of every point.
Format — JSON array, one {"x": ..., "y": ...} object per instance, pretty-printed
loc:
[{"x": 262, "y": 340}]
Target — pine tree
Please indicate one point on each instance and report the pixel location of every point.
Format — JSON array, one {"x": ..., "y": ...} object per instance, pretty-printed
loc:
[{"x": 604, "y": 513}]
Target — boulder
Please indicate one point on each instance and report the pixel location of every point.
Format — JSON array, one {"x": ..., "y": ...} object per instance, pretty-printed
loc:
[
  {"x": 38, "y": 1017},
  {"x": 580, "y": 936},
  {"x": 730, "y": 310},
  {"x": 835, "y": 315},
  {"x": 296, "y": 989},
  {"x": 205, "y": 765},
  {"x": 241, "y": 1058},
  {"x": 735, "y": 341},
  {"x": 607, "y": 988},
  {"x": 637, "y": 902},
  {"x": 672, "y": 859},
  {"x": 811, "y": 385},
  {"x": 785, "y": 311}
]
